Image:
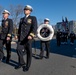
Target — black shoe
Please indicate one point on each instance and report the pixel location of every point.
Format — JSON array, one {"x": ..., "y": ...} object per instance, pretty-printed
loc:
[
  {"x": 18, "y": 67},
  {"x": 7, "y": 61},
  {"x": 47, "y": 57},
  {"x": 25, "y": 68},
  {"x": 4, "y": 58},
  {"x": 41, "y": 57}
]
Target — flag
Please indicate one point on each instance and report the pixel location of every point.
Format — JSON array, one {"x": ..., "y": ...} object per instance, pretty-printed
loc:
[
  {"x": 62, "y": 19},
  {"x": 63, "y": 23},
  {"x": 66, "y": 21}
]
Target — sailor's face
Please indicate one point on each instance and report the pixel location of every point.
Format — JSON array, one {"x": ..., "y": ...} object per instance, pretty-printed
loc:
[
  {"x": 5, "y": 15},
  {"x": 26, "y": 12},
  {"x": 46, "y": 22}
]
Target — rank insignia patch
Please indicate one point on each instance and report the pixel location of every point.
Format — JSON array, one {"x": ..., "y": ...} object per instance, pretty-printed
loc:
[
  {"x": 6, "y": 24},
  {"x": 29, "y": 21}
]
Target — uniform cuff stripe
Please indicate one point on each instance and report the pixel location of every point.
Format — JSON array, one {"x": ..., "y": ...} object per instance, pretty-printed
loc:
[
  {"x": 32, "y": 34},
  {"x": 9, "y": 35}
]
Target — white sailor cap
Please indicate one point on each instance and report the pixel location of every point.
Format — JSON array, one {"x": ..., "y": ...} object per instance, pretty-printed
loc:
[
  {"x": 28, "y": 7},
  {"x": 46, "y": 19},
  {"x": 6, "y": 11}
]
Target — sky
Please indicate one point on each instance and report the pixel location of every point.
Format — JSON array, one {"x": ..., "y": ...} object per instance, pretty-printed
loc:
[{"x": 52, "y": 9}]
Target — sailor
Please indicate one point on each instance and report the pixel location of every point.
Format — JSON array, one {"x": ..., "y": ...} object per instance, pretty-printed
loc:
[
  {"x": 6, "y": 35},
  {"x": 45, "y": 44},
  {"x": 26, "y": 33}
]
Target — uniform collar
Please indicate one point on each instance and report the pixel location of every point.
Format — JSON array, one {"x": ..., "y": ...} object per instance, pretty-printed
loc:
[
  {"x": 5, "y": 19},
  {"x": 27, "y": 16}
]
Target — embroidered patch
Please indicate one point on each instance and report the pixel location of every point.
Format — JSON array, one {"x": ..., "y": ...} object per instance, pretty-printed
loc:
[
  {"x": 29, "y": 21},
  {"x": 6, "y": 24}
]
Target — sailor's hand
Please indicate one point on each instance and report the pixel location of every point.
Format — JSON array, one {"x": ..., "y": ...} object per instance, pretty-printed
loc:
[
  {"x": 8, "y": 38},
  {"x": 30, "y": 37},
  {"x": 16, "y": 37}
]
